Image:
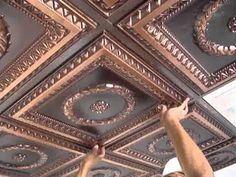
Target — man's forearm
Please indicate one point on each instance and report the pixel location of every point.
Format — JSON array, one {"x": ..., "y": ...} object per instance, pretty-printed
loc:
[
  {"x": 83, "y": 171},
  {"x": 190, "y": 156}
]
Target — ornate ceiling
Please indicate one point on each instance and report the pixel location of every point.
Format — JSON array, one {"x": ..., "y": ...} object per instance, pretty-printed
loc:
[{"x": 74, "y": 73}]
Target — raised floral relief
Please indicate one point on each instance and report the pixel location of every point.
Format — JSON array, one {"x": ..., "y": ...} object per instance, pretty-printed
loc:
[{"x": 200, "y": 28}]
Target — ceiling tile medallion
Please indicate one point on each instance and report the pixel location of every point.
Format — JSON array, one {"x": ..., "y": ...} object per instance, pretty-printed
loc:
[
  {"x": 97, "y": 73},
  {"x": 107, "y": 7},
  {"x": 191, "y": 46},
  {"x": 4, "y": 36},
  {"x": 100, "y": 106},
  {"x": 62, "y": 25},
  {"x": 152, "y": 146},
  {"x": 21, "y": 157}
]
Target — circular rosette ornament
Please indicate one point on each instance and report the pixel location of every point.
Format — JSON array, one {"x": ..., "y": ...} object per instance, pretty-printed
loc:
[
  {"x": 100, "y": 105},
  {"x": 22, "y": 157}
]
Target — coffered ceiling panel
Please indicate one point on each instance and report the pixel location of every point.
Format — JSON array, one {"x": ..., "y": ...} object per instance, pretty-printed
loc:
[
  {"x": 201, "y": 48},
  {"x": 27, "y": 152},
  {"x": 96, "y": 93},
  {"x": 41, "y": 31},
  {"x": 75, "y": 73}
]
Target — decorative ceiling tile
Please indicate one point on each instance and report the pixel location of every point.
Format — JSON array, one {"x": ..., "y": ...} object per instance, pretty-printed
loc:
[
  {"x": 26, "y": 157},
  {"x": 102, "y": 93},
  {"x": 55, "y": 26},
  {"x": 152, "y": 146},
  {"x": 202, "y": 56}
]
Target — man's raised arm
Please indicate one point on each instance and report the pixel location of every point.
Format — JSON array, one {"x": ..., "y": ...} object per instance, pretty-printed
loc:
[{"x": 191, "y": 158}]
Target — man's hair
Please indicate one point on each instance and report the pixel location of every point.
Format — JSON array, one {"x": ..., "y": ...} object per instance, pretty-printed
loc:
[{"x": 175, "y": 174}]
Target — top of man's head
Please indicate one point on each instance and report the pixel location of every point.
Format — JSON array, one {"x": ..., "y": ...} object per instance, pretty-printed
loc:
[{"x": 175, "y": 174}]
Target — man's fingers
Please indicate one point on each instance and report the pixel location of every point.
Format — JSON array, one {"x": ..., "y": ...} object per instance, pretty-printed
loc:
[
  {"x": 99, "y": 151},
  {"x": 95, "y": 149},
  {"x": 185, "y": 103}
]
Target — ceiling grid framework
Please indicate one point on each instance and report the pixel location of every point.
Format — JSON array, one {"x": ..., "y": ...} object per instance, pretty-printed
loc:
[{"x": 74, "y": 73}]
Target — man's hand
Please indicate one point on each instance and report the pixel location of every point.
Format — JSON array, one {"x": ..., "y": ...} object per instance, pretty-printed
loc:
[
  {"x": 93, "y": 157},
  {"x": 174, "y": 114}
]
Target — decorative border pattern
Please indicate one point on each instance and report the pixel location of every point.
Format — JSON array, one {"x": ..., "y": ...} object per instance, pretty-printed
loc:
[
  {"x": 24, "y": 147},
  {"x": 69, "y": 131},
  {"x": 115, "y": 89},
  {"x": 147, "y": 23},
  {"x": 200, "y": 27},
  {"x": 107, "y": 10},
  {"x": 4, "y": 36},
  {"x": 67, "y": 26},
  {"x": 22, "y": 130}
]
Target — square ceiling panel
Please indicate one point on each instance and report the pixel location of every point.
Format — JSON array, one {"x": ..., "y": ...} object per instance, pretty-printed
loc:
[
  {"x": 152, "y": 146},
  {"x": 102, "y": 93},
  {"x": 32, "y": 34},
  {"x": 202, "y": 56},
  {"x": 24, "y": 157}
]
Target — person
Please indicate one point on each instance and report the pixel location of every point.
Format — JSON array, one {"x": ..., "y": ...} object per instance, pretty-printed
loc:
[{"x": 192, "y": 161}]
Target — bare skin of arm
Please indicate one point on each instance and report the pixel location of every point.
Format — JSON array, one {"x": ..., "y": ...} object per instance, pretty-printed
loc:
[
  {"x": 191, "y": 158},
  {"x": 90, "y": 160}
]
